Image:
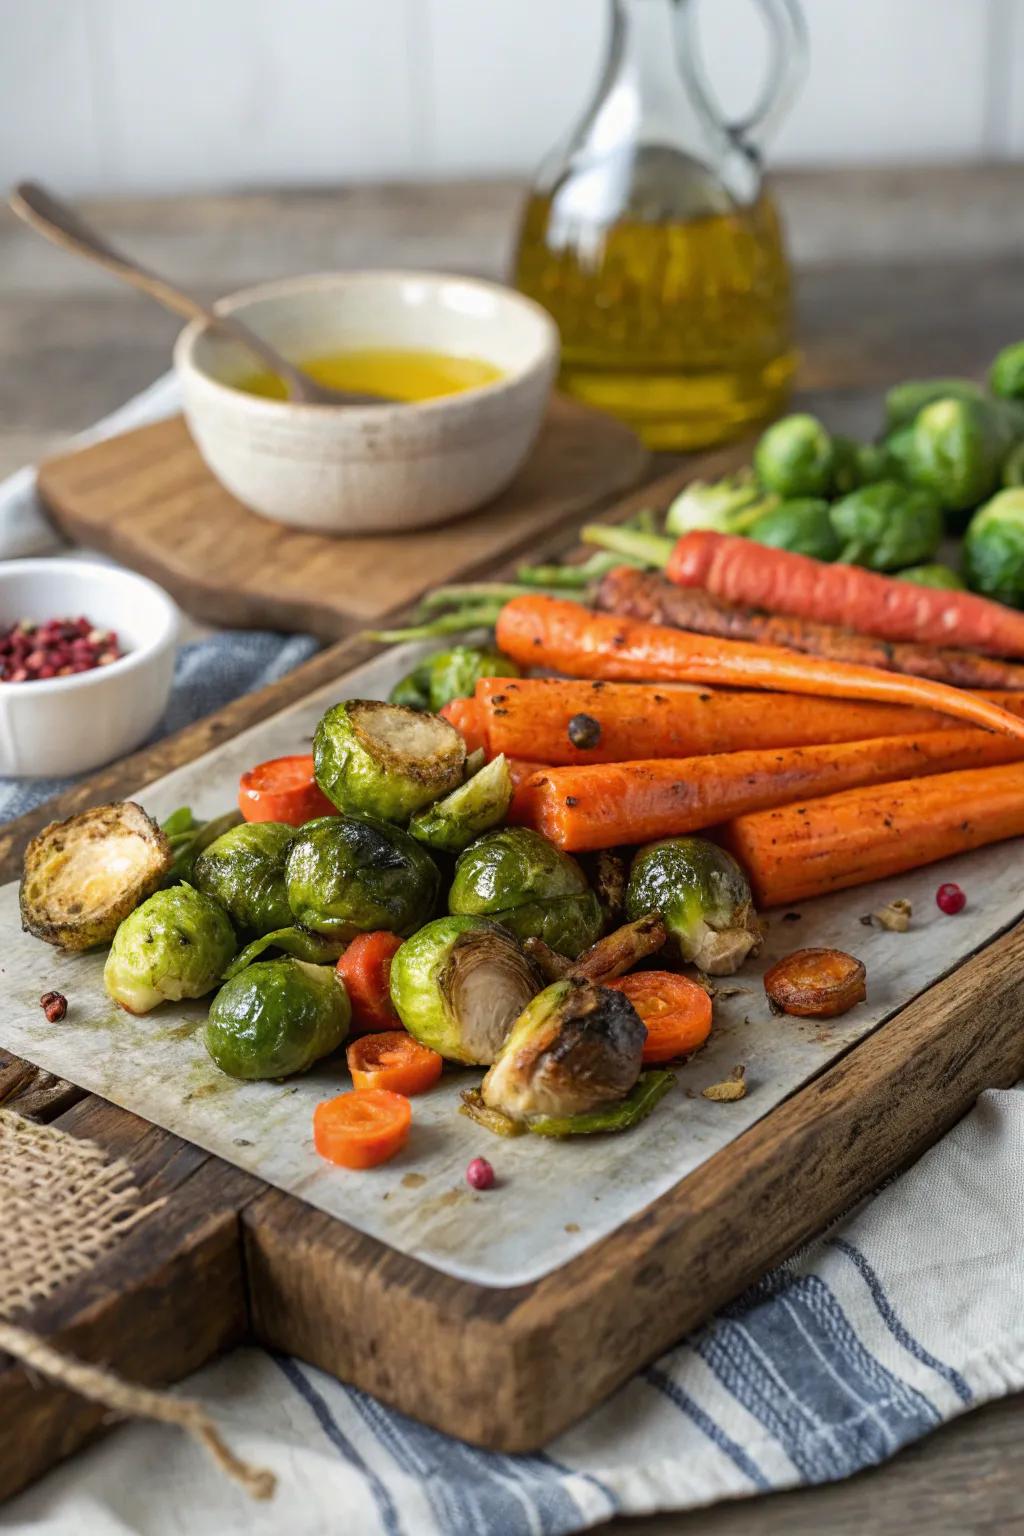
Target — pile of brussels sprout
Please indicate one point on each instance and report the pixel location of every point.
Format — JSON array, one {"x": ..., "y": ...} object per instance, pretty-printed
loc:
[{"x": 950, "y": 460}]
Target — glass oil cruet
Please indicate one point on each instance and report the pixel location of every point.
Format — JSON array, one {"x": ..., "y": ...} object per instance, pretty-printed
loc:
[{"x": 652, "y": 240}]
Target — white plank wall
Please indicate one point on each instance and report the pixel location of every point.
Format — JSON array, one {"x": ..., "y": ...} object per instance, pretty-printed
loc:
[{"x": 173, "y": 95}]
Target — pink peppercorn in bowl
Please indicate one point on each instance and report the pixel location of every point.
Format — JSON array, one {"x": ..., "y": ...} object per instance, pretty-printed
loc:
[{"x": 100, "y": 709}]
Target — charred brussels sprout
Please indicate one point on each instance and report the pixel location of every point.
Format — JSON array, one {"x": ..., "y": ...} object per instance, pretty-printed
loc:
[
  {"x": 933, "y": 576},
  {"x": 957, "y": 450},
  {"x": 1006, "y": 376},
  {"x": 802, "y": 525},
  {"x": 276, "y": 1018},
  {"x": 795, "y": 457},
  {"x": 703, "y": 897},
  {"x": 994, "y": 549},
  {"x": 459, "y": 984},
  {"x": 380, "y": 760},
  {"x": 520, "y": 879},
  {"x": 454, "y": 674},
  {"x": 244, "y": 870},
  {"x": 887, "y": 525},
  {"x": 175, "y": 945},
  {"x": 574, "y": 1048},
  {"x": 451, "y": 824},
  {"x": 905, "y": 402},
  {"x": 347, "y": 875}
]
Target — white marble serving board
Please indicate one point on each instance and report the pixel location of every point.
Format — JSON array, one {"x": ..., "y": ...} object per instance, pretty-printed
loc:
[{"x": 554, "y": 1198}]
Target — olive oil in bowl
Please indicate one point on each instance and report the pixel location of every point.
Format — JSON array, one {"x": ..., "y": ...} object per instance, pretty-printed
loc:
[{"x": 392, "y": 373}]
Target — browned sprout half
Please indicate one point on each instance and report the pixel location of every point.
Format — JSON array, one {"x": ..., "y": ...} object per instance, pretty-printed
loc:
[
  {"x": 384, "y": 760},
  {"x": 82, "y": 876},
  {"x": 575, "y": 1047}
]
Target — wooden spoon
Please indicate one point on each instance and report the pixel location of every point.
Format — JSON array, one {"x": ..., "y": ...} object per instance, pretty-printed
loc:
[{"x": 59, "y": 223}]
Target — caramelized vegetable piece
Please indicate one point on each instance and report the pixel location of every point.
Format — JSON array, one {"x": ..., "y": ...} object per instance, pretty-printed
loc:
[
  {"x": 620, "y": 951},
  {"x": 676, "y": 1011},
  {"x": 362, "y": 1128},
  {"x": 282, "y": 789},
  {"x": 393, "y": 1060},
  {"x": 816, "y": 983}
]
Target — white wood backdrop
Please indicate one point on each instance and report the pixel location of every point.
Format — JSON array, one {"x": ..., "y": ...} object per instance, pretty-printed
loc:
[{"x": 171, "y": 95}]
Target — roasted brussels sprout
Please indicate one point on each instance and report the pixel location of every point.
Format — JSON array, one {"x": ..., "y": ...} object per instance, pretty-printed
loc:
[
  {"x": 802, "y": 525},
  {"x": 276, "y": 1018},
  {"x": 957, "y": 450},
  {"x": 459, "y": 984},
  {"x": 413, "y": 690},
  {"x": 1013, "y": 465},
  {"x": 887, "y": 525},
  {"x": 175, "y": 945},
  {"x": 855, "y": 464},
  {"x": 380, "y": 760},
  {"x": 244, "y": 870},
  {"x": 454, "y": 674},
  {"x": 795, "y": 457},
  {"x": 650, "y": 1088},
  {"x": 725, "y": 506},
  {"x": 520, "y": 879},
  {"x": 703, "y": 897},
  {"x": 451, "y": 824},
  {"x": 933, "y": 576},
  {"x": 188, "y": 837},
  {"x": 905, "y": 402},
  {"x": 994, "y": 549},
  {"x": 314, "y": 948},
  {"x": 1006, "y": 376},
  {"x": 82, "y": 876},
  {"x": 574, "y": 1048},
  {"x": 897, "y": 449},
  {"x": 347, "y": 875}
]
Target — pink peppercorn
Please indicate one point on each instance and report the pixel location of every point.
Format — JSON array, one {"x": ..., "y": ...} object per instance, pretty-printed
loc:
[
  {"x": 949, "y": 898},
  {"x": 35, "y": 652},
  {"x": 480, "y": 1174}
]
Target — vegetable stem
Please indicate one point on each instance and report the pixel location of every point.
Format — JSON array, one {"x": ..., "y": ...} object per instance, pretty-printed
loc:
[
  {"x": 479, "y": 616},
  {"x": 648, "y": 548}
]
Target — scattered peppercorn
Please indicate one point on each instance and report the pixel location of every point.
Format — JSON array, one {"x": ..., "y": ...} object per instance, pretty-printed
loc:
[
  {"x": 33, "y": 653},
  {"x": 480, "y": 1174},
  {"x": 949, "y": 898},
  {"x": 584, "y": 731},
  {"x": 54, "y": 1005}
]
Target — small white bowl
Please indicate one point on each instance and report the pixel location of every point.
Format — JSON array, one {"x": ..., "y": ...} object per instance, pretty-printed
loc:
[
  {"x": 377, "y": 468},
  {"x": 66, "y": 725}
]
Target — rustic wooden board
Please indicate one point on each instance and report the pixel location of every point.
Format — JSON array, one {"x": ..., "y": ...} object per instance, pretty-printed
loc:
[{"x": 148, "y": 499}]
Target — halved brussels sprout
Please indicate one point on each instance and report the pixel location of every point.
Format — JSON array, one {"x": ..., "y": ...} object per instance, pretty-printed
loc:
[
  {"x": 82, "y": 876},
  {"x": 477, "y": 805},
  {"x": 348, "y": 874},
  {"x": 314, "y": 948},
  {"x": 175, "y": 945},
  {"x": 704, "y": 898},
  {"x": 276, "y": 1018},
  {"x": 574, "y": 1048},
  {"x": 459, "y": 984},
  {"x": 243, "y": 869},
  {"x": 521, "y": 880},
  {"x": 384, "y": 760},
  {"x": 636, "y": 1106}
]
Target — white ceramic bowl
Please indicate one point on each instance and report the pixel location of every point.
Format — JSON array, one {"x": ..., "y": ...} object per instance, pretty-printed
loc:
[
  {"x": 378, "y": 468},
  {"x": 66, "y": 725}
]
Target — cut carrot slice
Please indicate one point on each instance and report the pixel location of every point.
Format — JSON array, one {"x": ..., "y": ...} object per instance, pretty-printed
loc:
[
  {"x": 675, "y": 1009},
  {"x": 393, "y": 1060},
  {"x": 816, "y": 983},
  {"x": 365, "y": 968},
  {"x": 363, "y": 1128},
  {"x": 283, "y": 789}
]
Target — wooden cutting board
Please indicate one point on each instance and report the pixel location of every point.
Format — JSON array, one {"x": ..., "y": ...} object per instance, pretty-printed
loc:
[{"x": 148, "y": 499}]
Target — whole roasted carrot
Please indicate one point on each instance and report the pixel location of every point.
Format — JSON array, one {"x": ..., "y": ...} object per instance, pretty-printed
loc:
[
  {"x": 565, "y": 722},
  {"x": 646, "y": 595},
  {"x": 613, "y": 803},
  {"x": 810, "y": 848},
  {"x": 545, "y": 631}
]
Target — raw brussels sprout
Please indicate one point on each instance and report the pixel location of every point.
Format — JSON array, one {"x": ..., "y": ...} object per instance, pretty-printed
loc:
[
  {"x": 314, "y": 948},
  {"x": 413, "y": 690},
  {"x": 520, "y": 879},
  {"x": 905, "y": 402},
  {"x": 459, "y": 984},
  {"x": 933, "y": 576},
  {"x": 703, "y": 897},
  {"x": 957, "y": 450},
  {"x": 380, "y": 760},
  {"x": 573, "y": 1049},
  {"x": 276, "y": 1018},
  {"x": 451, "y": 824},
  {"x": 347, "y": 875},
  {"x": 802, "y": 525},
  {"x": 897, "y": 450},
  {"x": 1013, "y": 465},
  {"x": 175, "y": 945},
  {"x": 887, "y": 525},
  {"x": 795, "y": 457},
  {"x": 244, "y": 870},
  {"x": 454, "y": 674},
  {"x": 1006, "y": 376},
  {"x": 856, "y": 464},
  {"x": 725, "y": 506},
  {"x": 994, "y": 549}
]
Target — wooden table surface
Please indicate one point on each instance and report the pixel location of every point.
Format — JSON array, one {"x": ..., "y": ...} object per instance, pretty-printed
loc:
[{"x": 899, "y": 272}]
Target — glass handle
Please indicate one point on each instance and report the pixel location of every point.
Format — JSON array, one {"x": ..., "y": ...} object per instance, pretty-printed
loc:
[{"x": 787, "y": 66}]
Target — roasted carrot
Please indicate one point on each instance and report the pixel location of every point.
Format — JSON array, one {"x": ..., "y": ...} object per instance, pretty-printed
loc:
[
  {"x": 362, "y": 1128},
  {"x": 623, "y": 721},
  {"x": 468, "y": 720},
  {"x": 812, "y": 847},
  {"x": 675, "y": 1009},
  {"x": 393, "y": 1060},
  {"x": 569, "y": 638},
  {"x": 365, "y": 969},
  {"x": 646, "y": 595},
  {"x": 521, "y": 768},
  {"x": 283, "y": 789},
  {"x": 613, "y": 803}
]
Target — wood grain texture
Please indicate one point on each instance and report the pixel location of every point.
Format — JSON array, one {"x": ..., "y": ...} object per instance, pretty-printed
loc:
[{"x": 148, "y": 499}]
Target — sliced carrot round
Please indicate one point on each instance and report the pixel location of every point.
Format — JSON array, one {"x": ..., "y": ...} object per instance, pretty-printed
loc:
[
  {"x": 675, "y": 1009},
  {"x": 362, "y": 1128},
  {"x": 283, "y": 789},
  {"x": 816, "y": 983},
  {"x": 365, "y": 968},
  {"x": 393, "y": 1060}
]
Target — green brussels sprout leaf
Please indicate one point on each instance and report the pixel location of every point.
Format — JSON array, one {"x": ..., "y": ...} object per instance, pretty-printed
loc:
[
  {"x": 384, "y": 761},
  {"x": 275, "y": 1018},
  {"x": 636, "y": 1106},
  {"x": 314, "y": 948},
  {"x": 175, "y": 945},
  {"x": 476, "y": 806}
]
